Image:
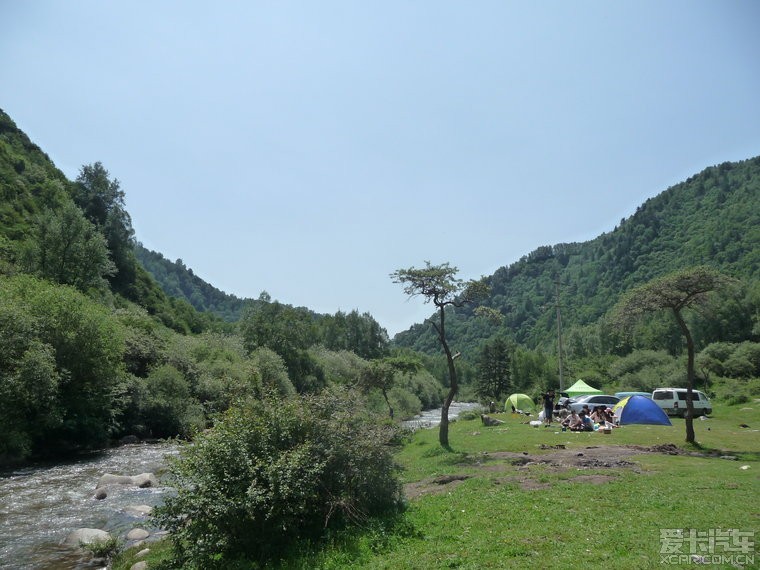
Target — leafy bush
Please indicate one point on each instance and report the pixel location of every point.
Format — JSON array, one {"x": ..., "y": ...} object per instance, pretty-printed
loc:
[
  {"x": 646, "y": 370},
  {"x": 736, "y": 391},
  {"x": 275, "y": 471},
  {"x": 60, "y": 367},
  {"x": 168, "y": 408}
]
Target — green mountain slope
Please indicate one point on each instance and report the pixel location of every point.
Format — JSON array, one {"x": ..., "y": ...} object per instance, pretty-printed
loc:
[
  {"x": 29, "y": 180},
  {"x": 179, "y": 281},
  {"x": 30, "y": 184},
  {"x": 713, "y": 218}
]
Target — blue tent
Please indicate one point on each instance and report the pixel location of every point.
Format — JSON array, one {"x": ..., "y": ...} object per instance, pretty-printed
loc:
[{"x": 642, "y": 410}]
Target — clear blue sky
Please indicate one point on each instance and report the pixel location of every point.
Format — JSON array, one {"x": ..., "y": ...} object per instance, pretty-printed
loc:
[{"x": 309, "y": 149}]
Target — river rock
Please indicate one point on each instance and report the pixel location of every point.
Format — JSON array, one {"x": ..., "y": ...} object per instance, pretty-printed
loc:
[
  {"x": 142, "y": 565},
  {"x": 143, "y": 553},
  {"x": 129, "y": 440},
  {"x": 137, "y": 534},
  {"x": 138, "y": 510},
  {"x": 489, "y": 421},
  {"x": 86, "y": 536},
  {"x": 142, "y": 480}
]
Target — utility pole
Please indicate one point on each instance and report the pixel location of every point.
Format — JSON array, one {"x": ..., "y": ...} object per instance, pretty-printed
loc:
[{"x": 559, "y": 337}]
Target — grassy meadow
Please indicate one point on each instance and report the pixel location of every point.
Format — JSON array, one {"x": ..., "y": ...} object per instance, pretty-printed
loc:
[{"x": 515, "y": 496}]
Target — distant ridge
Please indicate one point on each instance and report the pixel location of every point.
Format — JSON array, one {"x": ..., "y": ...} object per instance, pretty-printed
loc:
[
  {"x": 713, "y": 218},
  {"x": 180, "y": 282}
]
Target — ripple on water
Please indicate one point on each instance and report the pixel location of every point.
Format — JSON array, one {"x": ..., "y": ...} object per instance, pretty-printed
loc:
[{"x": 39, "y": 506}]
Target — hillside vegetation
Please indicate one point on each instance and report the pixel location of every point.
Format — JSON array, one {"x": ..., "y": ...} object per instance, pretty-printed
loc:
[
  {"x": 711, "y": 219},
  {"x": 92, "y": 349},
  {"x": 180, "y": 282}
]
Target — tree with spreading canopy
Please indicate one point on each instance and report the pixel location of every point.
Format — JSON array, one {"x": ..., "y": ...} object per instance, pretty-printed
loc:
[
  {"x": 64, "y": 247},
  {"x": 438, "y": 284},
  {"x": 380, "y": 374},
  {"x": 684, "y": 289}
]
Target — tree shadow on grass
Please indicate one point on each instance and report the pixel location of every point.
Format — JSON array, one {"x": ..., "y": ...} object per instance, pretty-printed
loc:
[
  {"x": 350, "y": 545},
  {"x": 716, "y": 452}
]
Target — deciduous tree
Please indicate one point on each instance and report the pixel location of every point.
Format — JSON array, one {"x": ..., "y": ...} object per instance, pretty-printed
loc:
[
  {"x": 438, "y": 284},
  {"x": 675, "y": 292},
  {"x": 66, "y": 248}
]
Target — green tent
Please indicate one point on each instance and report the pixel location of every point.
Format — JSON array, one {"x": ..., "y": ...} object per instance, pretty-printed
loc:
[
  {"x": 580, "y": 388},
  {"x": 520, "y": 402}
]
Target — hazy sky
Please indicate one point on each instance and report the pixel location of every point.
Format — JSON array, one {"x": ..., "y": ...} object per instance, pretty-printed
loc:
[{"x": 309, "y": 149}]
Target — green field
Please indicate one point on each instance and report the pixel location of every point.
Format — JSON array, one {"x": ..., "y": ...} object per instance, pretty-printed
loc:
[{"x": 509, "y": 496}]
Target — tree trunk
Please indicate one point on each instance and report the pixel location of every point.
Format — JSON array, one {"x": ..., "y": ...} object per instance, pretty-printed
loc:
[
  {"x": 689, "y": 415},
  {"x": 387, "y": 401},
  {"x": 443, "y": 430}
]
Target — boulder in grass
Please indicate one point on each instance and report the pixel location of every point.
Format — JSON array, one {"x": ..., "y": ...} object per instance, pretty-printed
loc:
[
  {"x": 86, "y": 536},
  {"x": 489, "y": 421}
]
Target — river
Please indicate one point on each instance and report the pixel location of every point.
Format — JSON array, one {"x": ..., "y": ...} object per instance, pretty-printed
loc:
[
  {"x": 40, "y": 505},
  {"x": 431, "y": 418}
]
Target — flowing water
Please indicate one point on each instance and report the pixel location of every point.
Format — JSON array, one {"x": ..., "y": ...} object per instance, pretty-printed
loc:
[
  {"x": 41, "y": 505},
  {"x": 431, "y": 418}
]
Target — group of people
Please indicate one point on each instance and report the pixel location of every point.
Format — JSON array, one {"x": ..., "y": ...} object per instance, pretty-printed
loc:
[{"x": 585, "y": 420}]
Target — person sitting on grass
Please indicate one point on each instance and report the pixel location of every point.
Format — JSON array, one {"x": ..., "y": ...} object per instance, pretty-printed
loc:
[
  {"x": 573, "y": 422},
  {"x": 587, "y": 424}
]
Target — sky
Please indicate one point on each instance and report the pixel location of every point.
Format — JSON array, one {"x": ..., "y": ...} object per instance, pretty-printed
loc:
[{"x": 310, "y": 149}]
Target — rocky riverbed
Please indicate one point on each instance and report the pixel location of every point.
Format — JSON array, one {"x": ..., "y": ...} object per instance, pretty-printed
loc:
[{"x": 40, "y": 506}]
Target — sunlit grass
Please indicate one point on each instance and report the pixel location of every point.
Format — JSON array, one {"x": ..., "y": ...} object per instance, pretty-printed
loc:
[{"x": 539, "y": 516}]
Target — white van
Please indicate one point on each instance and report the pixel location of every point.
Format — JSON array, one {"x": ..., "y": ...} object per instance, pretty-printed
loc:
[{"x": 673, "y": 401}]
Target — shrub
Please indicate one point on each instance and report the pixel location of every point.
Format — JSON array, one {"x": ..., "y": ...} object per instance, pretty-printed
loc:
[
  {"x": 107, "y": 548},
  {"x": 276, "y": 471},
  {"x": 168, "y": 408}
]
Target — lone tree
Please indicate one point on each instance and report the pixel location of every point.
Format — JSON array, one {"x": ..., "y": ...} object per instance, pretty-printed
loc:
[
  {"x": 687, "y": 288},
  {"x": 439, "y": 284},
  {"x": 381, "y": 375}
]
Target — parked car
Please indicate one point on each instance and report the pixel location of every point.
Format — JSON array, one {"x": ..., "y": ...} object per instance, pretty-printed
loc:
[
  {"x": 673, "y": 401},
  {"x": 622, "y": 395},
  {"x": 592, "y": 401}
]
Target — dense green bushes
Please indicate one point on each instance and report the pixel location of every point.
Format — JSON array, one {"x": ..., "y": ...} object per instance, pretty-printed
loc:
[
  {"x": 60, "y": 368},
  {"x": 276, "y": 471}
]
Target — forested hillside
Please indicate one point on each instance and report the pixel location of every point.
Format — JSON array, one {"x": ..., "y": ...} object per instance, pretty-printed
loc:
[
  {"x": 179, "y": 281},
  {"x": 92, "y": 349},
  {"x": 712, "y": 218}
]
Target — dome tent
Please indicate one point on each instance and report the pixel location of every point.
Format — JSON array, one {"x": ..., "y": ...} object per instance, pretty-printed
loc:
[
  {"x": 519, "y": 402},
  {"x": 580, "y": 388},
  {"x": 642, "y": 410}
]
